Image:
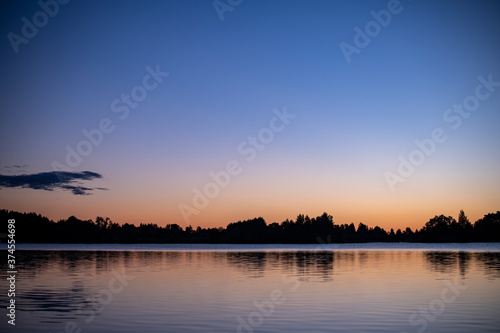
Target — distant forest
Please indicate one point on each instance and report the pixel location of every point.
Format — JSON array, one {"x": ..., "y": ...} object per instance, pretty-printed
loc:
[{"x": 34, "y": 228}]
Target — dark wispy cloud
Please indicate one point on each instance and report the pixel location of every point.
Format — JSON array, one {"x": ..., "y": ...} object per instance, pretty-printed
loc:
[
  {"x": 13, "y": 168},
  {"x": 49, "y": 181}
]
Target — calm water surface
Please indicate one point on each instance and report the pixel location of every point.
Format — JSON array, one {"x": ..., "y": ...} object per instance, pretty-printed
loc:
[{"x": 256, "y": 288}]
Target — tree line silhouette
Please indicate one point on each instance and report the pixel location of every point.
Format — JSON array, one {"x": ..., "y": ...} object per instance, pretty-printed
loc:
[{"x": 34, "y": 228}]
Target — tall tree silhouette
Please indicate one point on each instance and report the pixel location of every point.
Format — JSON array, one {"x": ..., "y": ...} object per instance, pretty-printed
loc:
[
  {"x": 463, "y": 220},
  {"x": 464, "y": 228}
]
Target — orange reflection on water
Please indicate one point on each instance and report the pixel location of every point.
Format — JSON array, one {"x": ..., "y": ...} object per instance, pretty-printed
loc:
[{"x": 218, "y": 290}]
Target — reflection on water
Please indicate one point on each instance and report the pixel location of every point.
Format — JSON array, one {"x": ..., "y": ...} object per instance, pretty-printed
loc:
[
  {"x": 194, "y": 291},
  {"x": 306, "y": 265},
  {"x": 448, "y": 262}
]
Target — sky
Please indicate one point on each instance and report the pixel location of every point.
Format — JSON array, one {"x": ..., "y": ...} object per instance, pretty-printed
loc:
[{"x": 208, "y": 112}]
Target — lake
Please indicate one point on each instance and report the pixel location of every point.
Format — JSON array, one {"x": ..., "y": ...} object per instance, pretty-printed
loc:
[{"x": 373, "y": 287}]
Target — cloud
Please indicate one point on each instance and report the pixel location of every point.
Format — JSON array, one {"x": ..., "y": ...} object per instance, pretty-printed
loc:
[
  {"x": 13, "y": 168},
  {"x": 49, "y": 181}
]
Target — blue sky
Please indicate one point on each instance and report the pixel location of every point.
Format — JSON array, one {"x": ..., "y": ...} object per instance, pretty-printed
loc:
[{"x": 225, "y": 78}]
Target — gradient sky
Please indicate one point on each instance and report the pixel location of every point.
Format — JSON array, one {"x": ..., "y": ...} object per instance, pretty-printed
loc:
[{"x": 353, "y": 120}]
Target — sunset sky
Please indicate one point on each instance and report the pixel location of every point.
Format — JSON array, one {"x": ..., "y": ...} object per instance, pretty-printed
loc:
[{"x": 172, "y": 91}]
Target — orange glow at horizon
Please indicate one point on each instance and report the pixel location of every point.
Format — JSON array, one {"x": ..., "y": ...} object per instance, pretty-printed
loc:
[{"x": 387, "y": 214}]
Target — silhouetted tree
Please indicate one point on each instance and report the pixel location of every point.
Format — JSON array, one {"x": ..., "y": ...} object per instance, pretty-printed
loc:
[
  {"x": 439, "y": 228},
  {"x": 463, "y": 220},
  {"x": 488, "y": 228},
  {"x": 392, "y": 235},
  {"x": 362, "y": 232},
  {"x": 407, "y": 235},
  {"x": 249, "y": 231}
]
